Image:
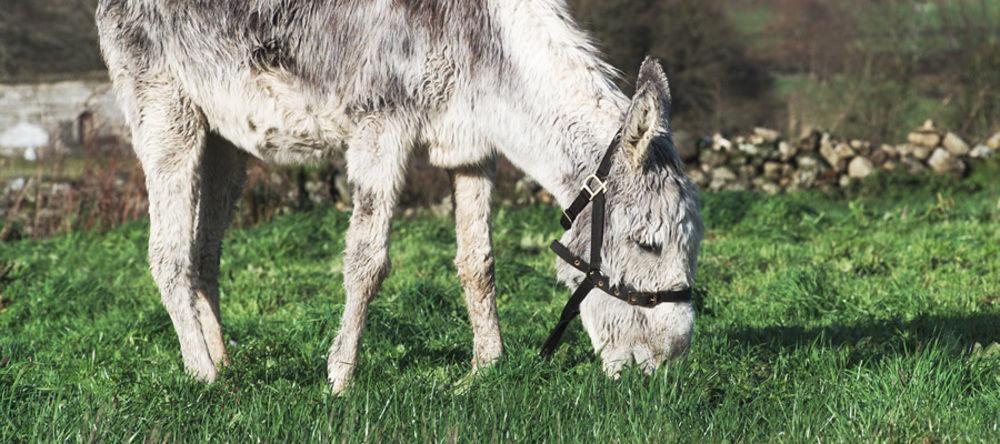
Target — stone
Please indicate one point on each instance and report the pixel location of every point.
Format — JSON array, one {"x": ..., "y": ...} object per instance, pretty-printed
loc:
[
  {"x": 982, "y": 152},
  {"x": 787, "y": 151},
  {"x": 720, "y": 143},
  {"x": 860, "y": 168},
  {"x": 772, "y": 170},
  {"x": 890, "y": 165},
  {"x": 21, "y": 137},
  {"x": 713, "y": 158},
  {"x": 862, "y": 147},
  {"x": 879, "y": 156},
  {"x": 808, "y": 163},
  {"x": 836, "y": 155},
  {"x": 698, "y": 177},
  {"x": 58, "y": 117},
  {"x": 921, "y": 152},
  {"x": 955, "y": 145},
  {"x": 903, "y": 150},
  {"x": 845, "y": 181},
  {"x": 318, "y": 191},
  {"x": 739, "y": 185},
  {"x": 723, "y": 173},
  {"x": 721, "y": 177},
  {"x": 526, "y": 191},
  {"x": 770, "y": 188},
  {"x": 913, "y": 166},
  {"x": 546, "y": 198},
  {"x": 926, "y": 139},
  {"x": 804, "y": 179},
  {"x": 994, "y": 141},
  {"x": 943, "y": 162},
  {"x": 787, "y": 169},
  {"x": 750, "y": 149},
  {"x": 768, "y": 135},
  {"x": 443, "y": 208}
]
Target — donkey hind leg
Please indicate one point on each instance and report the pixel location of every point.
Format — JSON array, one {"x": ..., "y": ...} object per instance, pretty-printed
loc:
[
  {"x": 170, "y": 141},
  {"x": 222, "y": 178},
  {"x": 473, "y": 188},
  {"x": 377, "y": 158}
]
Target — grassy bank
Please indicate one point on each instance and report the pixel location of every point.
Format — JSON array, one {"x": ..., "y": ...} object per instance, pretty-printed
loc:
[{"x": 836, "y": 318}]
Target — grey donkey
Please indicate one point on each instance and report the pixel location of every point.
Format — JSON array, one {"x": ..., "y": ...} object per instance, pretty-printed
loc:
[{"x": 205, "y": 84}]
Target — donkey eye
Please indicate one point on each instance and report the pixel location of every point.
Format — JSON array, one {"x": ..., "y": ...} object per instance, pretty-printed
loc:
[{"x": 649, "y": 248}]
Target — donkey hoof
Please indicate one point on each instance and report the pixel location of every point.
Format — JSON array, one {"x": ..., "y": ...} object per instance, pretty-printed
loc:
[
  {"x": 340, "y": 377},
  {"x": 207, "y": 375}
]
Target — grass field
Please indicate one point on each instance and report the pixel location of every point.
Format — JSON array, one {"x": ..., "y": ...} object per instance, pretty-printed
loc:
[{"x": 870, "y": 316}]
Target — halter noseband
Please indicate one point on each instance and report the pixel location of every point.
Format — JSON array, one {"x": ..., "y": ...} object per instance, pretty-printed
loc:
[{"x": 594, "y": 192}]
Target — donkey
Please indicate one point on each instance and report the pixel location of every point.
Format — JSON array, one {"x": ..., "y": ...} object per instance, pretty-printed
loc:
[{"x": 204, "y": 85}]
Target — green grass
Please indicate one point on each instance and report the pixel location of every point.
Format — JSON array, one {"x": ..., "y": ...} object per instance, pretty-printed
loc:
[
  {"x": 844, "y": 318},
  {"x": 65, "y": 169}
]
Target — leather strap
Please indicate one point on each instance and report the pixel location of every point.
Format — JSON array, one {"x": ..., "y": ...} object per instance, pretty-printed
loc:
[
  {"x": 586, "y": 194},
  {"x": 595, "y": 192},
  {"x": 646, "y": 299},
  {"x": 569, "y": 312}
]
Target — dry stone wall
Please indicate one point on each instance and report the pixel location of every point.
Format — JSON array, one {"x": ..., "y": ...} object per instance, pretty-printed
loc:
[{"x": 765, "y": 161}]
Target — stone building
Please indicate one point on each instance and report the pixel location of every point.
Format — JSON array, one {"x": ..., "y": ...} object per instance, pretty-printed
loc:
[{"x": 62, "y": 117}]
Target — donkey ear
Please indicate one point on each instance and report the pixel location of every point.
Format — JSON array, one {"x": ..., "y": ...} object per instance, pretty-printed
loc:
[{"x": 648, "y": 115}]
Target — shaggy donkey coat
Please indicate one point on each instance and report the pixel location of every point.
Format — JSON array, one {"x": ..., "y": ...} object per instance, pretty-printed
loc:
[{"x": 205, "y": 83}]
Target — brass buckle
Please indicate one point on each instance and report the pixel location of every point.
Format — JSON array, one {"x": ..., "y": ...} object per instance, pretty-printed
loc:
[{"x": 593, "y": 192}]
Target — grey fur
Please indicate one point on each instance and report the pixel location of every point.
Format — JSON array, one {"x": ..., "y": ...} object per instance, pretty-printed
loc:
[{"x": 203, "y": 83}]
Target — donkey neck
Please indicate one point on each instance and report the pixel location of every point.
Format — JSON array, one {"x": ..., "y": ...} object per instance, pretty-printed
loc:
[
  {"x": 563, "y": 109},
  {"x": 576, "y": 139}
]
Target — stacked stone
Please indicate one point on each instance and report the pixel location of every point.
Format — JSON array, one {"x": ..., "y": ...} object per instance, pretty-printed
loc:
[{"x": 765, "y": 162}]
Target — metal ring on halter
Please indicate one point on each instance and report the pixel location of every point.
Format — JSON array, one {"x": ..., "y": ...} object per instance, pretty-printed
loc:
[{"x": 600, "y": 188}]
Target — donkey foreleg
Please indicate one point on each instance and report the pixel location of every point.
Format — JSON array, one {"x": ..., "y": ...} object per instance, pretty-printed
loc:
[
  {"x": 191, "y": 185},
  {"x": 376, "y": 168},
  {"x": 222, "y": 179},
  {"x": 473, "y": 189}
]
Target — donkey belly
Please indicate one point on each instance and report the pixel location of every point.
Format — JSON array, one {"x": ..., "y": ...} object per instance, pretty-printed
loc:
[{"x": 276, "y": 118}]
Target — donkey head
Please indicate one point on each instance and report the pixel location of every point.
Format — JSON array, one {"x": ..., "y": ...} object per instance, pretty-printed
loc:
[{"x": 651, "y": 239}]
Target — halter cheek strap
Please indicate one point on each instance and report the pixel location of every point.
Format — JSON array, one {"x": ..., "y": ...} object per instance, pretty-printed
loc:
[{"x": 594, "y": 192}]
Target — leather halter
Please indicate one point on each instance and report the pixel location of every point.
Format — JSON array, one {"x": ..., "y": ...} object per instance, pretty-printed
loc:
[{"x": 594, "y": 192}]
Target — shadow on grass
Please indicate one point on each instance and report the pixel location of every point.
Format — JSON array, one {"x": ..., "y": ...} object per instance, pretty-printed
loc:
[{"x": 878, "y": 339}]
